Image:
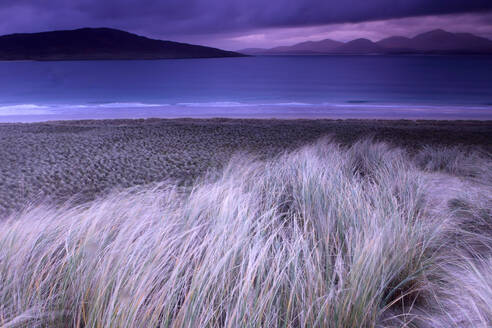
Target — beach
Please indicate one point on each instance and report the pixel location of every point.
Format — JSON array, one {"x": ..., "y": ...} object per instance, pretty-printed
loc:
[{"x": 80, "y": 160}]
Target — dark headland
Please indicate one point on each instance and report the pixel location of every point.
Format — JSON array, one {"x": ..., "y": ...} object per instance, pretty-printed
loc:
[{"x": 98, "y": 44}]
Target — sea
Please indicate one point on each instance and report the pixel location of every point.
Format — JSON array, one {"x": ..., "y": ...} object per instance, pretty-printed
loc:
[{"x": 283, "y": 87}]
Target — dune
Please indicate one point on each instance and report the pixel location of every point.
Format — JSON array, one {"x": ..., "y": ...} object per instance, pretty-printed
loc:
[{"x": 323, "y": 235}]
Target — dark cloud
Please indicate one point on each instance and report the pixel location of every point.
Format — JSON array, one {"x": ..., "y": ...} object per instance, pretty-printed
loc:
[
  {"x": 188, "y": 16},
  {"x": 176, "y": 19}
]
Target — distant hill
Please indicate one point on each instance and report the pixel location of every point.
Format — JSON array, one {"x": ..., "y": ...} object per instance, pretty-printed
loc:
[
  {"x": 310, "y": 46},
  {"x": 396, "y": 42},
  {"x": 439, "y": 41},
  {"x": 433, "y": 42},
  {"x": 303, "y": 48},
  {"x": 98, "y": 43},
  {"x": 359, "y": 46}
]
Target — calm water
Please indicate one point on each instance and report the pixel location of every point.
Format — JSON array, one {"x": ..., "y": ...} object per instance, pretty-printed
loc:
[{"x": 286, "y": 87}]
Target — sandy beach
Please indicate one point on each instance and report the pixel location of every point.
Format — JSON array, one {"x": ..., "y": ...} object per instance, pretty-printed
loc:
[{"x": 60, "y": 160}]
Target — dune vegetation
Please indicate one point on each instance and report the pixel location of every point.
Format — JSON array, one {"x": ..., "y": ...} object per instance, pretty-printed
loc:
[{"x": 328, "y": 234}]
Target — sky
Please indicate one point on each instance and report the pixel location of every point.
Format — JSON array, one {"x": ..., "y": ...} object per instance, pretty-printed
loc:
[{"x": 238, "y": 24}]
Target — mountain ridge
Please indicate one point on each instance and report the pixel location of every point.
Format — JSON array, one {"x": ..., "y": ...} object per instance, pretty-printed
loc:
[
  {"x": 98, "y": 44},
  {"x": 432, "y": 42}
]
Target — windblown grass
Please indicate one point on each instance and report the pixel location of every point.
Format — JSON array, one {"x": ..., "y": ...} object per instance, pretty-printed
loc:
[
  {"x": 323, "y": 236},
  {"x": 456, "y": 160}
]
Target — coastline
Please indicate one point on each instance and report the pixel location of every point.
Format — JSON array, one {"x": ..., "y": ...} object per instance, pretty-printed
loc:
[{"x": 26, "y": 113}]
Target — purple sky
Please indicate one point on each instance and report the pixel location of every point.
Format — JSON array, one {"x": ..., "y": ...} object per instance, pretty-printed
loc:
[{"x": 236, "y": 24}]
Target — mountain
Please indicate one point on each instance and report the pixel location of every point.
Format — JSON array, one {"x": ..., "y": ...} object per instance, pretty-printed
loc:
[
  {"x": 98, "y": 43},
  {"x": 303, "y": 48},
  {"x": 432, "y": 42},
  {"x": 310, "y": 46},
  {"x": 440, "y": 40},
  {"x": 359, "y": 46},
  {"x": 396, "y": 42}
]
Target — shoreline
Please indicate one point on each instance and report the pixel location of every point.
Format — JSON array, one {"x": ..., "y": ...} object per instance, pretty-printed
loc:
[
  {"x": 220, "y": 119},
  {"x": 27, "y": 113},
  {"x": 248, "y": 118}
]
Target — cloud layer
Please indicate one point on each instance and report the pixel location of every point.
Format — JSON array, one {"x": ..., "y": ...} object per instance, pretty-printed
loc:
[
  {"x": 476, "y": 23},
  {"x": 183, "y": 19}
]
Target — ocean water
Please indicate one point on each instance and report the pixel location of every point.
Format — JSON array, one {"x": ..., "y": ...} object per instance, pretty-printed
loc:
[{"x": 412, "y": 87}]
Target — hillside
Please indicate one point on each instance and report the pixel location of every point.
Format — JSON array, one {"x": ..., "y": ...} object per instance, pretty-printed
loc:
[
  {"x": 432, "y": 42},
  {"x": 359, "y": 46},
  {"x": 98, "y": 43},
  {"x": 439, "y": 41}
]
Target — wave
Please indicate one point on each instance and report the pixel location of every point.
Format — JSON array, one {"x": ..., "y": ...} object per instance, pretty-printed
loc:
[
  {"x": 350, "y": 105},
  {"x": 396, "y": 106},
  {"x": 114, "y": 105},
  {"x": 216, "y": 104},
  {"x": 241, "y": 104},
  {"x": 221, "y": 108},
  {"x": 291, "y": 104},
  {"x": 24, "y": 109}
]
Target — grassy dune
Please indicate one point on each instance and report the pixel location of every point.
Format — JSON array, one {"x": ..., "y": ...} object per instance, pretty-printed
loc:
[{"x": 331, "y": 234}]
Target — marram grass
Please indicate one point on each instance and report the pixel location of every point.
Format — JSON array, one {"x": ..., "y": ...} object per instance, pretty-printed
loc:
[{"x": 324, "y": 236}]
